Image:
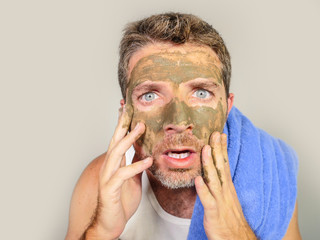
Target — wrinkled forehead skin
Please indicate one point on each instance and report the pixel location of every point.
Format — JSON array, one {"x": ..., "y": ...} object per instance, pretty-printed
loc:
[{"x": 177, "y": 66}]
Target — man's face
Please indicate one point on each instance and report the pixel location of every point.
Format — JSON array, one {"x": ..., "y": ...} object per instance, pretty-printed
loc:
[{"x": 178, "y": 92}]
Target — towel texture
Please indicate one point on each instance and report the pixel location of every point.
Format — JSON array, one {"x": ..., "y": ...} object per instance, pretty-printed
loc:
[{"x": 264, "y": 172}]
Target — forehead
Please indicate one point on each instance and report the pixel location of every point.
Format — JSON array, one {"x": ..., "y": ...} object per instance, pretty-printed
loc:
[{"x": 167, "y": 59}]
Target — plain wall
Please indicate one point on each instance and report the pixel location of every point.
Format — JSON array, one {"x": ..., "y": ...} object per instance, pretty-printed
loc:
[{"x": 59, "y": 94}]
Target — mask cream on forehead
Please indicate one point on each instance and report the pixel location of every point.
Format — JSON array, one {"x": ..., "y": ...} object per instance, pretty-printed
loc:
[{"x": 176, "y": 68}]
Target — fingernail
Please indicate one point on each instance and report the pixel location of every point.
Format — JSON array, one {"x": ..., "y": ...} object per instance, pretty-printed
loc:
[
  {"x": 209, "y": 151},
  {"x": 201, "y": 182},
  {"x": 137, "y": 127},
  {"x": 213, "y": 137},
  {"x": 217, "y": 139},
  {"x": 224, "y": 138}
]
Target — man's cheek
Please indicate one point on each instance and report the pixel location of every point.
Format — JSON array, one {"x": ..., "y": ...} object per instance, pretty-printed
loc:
[
  {"x": 154, "y": 124},
  {"x": 207, "y": 120},
  {"x": 128, "y": 120}
]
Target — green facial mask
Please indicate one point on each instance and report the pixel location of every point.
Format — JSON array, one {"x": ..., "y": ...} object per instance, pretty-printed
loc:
[{"x": 176, "y": 68}]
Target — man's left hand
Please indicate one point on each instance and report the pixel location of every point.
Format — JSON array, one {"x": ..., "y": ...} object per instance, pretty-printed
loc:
[{"x": 223, "y": 216}]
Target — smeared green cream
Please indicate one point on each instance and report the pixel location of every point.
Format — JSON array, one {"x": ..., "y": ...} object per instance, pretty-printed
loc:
[
  {"x": 128, "y": 116},
  {"x": 176, "y": 68}
]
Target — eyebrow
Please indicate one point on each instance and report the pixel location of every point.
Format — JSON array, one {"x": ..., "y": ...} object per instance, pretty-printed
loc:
[
  {"x": 202, "y": 83},
  {"x": 147, "y": 86}
]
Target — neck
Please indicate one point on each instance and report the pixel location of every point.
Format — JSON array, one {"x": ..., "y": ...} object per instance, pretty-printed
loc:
[{"x": 177, "y": 202}]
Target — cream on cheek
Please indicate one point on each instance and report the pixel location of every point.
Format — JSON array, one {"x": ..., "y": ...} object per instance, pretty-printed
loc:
[{"x": 203, "y": 119}]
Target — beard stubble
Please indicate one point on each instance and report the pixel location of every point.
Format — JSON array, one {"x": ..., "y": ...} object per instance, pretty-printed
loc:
[{"x": 174, "y": 178}]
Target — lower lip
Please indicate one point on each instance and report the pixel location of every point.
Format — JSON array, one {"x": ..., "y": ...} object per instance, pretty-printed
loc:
[{"x": 180, "y": 163}]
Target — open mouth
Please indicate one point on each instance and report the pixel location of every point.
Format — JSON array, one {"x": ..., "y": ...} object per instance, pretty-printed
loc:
[
  {"x": 179, "y": 154},
  {"x": 180, "y": 158}
]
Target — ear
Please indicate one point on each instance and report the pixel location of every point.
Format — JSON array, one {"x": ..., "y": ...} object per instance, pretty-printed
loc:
[
  {"x": 122, "y": 103},
  {"x": 230, "y": 102}
]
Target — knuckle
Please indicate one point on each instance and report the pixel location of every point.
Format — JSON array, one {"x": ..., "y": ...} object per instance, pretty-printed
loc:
[
  {"x": 115, "y": 152},
  {"x": 211, "y": 205}
]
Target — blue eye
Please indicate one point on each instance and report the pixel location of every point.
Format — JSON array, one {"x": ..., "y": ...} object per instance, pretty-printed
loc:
[
  {"x": 201, "y": 93},
  {"x": 150, "y": 96}
]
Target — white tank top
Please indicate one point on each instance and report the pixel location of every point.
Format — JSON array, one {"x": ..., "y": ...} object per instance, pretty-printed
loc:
[{"x": 150, "y": 221}]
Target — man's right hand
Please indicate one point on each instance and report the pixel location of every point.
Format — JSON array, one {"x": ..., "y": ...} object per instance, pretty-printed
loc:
[{"x": 119, "y": 185}]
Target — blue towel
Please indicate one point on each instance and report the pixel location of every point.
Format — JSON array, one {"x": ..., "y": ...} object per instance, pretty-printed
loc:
[{"x": 264, "y": 173}]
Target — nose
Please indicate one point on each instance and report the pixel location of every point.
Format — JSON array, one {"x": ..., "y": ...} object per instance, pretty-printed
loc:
[
  {"x": 177, "y": 118},
  {"x": 173, "y": 128}
]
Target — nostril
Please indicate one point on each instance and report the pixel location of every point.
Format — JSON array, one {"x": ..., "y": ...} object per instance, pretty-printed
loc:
[{"x": 172, "y": 128}]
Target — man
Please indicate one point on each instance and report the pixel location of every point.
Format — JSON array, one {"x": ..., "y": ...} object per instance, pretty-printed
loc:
[{"x": 174, "y": 73}]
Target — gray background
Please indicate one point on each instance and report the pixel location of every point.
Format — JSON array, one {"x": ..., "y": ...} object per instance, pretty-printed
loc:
[{"x": 59, "y": 94}]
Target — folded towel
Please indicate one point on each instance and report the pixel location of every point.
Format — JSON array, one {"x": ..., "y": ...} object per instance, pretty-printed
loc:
[{"x": 264, "y": 172}]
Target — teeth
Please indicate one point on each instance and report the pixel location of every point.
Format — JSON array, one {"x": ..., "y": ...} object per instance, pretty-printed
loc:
[{"x": 178, "y": 155}]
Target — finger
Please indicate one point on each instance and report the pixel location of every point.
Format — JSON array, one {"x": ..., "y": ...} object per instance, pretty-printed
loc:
[
  {"x": 125, "y": 173},
  {"x": 215, "y": 142},
  {"x": 136, "y": 178},
  {"x": 123, "y": 161},
  {"x": 210, "y": 173},
  {"x": 204, "y": 194},
  {"x": 123, "y": 125},
  {"x": 124, "y": 144},
  {"x": 114, "y": 157},
  {"x": 135, "y": 159},
  {"x": 224, "y": 148}
]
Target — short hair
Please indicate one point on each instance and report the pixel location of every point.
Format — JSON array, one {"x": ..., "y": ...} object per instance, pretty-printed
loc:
[{"x": 171, "y": 27}]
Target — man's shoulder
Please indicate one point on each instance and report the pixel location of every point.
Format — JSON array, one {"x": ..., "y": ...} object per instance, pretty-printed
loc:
[
  {"x": 93, "y": 168},
  {"x": 89, "y": 178},
  {"x": 84, "y": 198}
]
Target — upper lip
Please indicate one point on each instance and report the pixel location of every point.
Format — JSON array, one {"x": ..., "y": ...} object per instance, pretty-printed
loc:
[{"x": 180, "y": 149}]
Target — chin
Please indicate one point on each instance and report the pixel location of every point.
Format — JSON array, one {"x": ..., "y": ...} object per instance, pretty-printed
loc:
[
  {"x": 176, "y": 160},
  {"x": 175, "y": 178}
]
